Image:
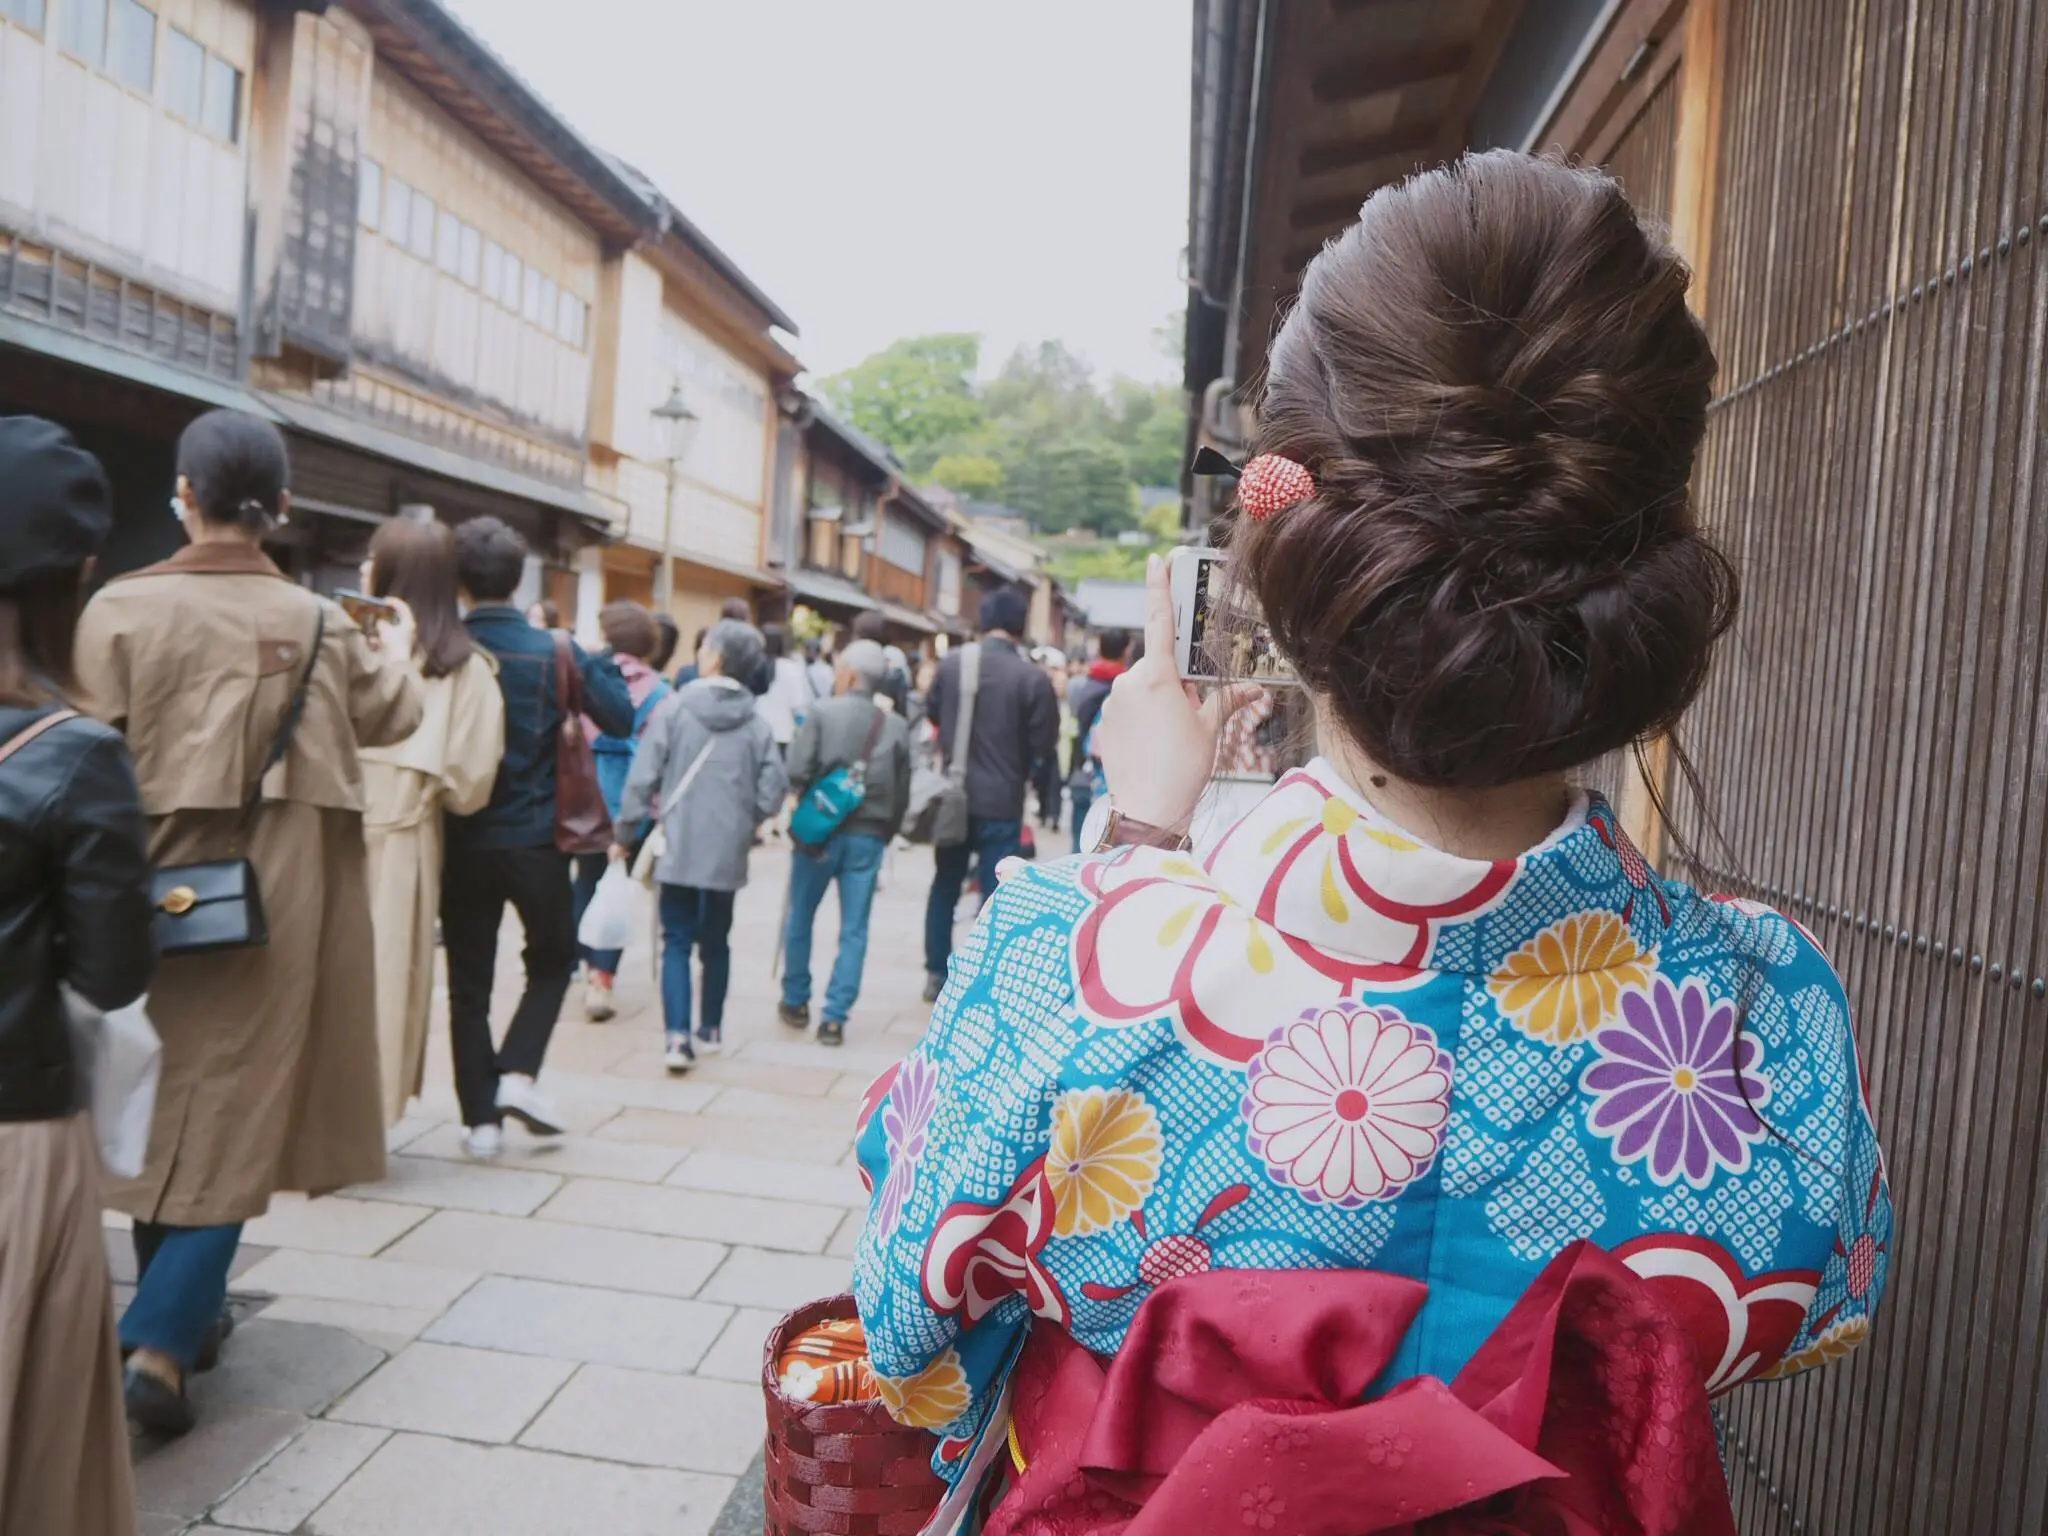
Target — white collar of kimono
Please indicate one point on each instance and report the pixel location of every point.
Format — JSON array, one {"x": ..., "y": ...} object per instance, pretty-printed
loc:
[{"x": 1315, "y": 894}]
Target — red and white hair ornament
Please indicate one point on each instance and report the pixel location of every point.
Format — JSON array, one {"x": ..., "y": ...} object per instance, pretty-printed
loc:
[
  {"x": 1266, "y": 485},
  {"x": 1272, "y": 484}
]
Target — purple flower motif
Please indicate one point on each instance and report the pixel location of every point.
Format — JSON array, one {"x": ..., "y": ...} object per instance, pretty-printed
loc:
[
  {"x": 1677, "y": 1083},
  {"x": 906, "y": 1118}
]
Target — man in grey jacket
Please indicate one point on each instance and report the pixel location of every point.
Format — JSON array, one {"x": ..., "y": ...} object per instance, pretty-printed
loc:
[
  {"x": 707, "y": 767},
  {"x": 846, "y": 729}
]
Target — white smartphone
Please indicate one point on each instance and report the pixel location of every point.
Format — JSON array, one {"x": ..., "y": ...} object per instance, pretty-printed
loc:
[{"x": 1219, "y": 634}]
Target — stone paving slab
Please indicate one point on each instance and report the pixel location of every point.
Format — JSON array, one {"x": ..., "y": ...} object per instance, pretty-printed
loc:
[
  {"x": 738, "y": 1354},
  {"x": 467, "y": 1394},
  {"x": 290, "y": 1366},
  {"x": 567, "y": 1322},
  {"x": 564, "y": 1156},
  {"x": 593, "y": 1256},
  {"x": 332, "y": 1224},
  {"x": 418, "y": 1485},
  {"x": 753, "y": 1277},
  {"x": 465, "y": 1186},
  {"x": 337, "y": 1277},
  {"x": 823, "y": 1141},
  {"x": 299, "y": 1479},
  {"x": 182, "y": 1479},
  {"x": 786, "y": 1224},
  {"x": 653, "y": 1420},
  {"x": 387, "y": 1329},
  {"x": 772, "y": 1178}
]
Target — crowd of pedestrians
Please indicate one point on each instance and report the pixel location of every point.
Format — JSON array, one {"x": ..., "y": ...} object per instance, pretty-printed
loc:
[{"x": 382, "y": 776}]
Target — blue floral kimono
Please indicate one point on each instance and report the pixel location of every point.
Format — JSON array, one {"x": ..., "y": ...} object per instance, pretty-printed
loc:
[{"x": 1328, "y": 1045}]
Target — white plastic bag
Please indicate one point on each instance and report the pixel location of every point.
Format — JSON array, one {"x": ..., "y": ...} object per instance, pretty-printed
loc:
[
  {"x": 121, "y": 1059},
  {"x": 613, "y": 913}
]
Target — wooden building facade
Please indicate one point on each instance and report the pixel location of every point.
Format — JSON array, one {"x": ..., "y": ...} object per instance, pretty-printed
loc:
[{"x": 1862, "y": 189}]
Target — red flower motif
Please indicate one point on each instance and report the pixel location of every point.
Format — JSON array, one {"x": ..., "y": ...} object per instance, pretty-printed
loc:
[
  {"x": 980, "y": 1254},
  {"x": 1635, "y": 869},
  {"x": 1741, "y": 1325}
]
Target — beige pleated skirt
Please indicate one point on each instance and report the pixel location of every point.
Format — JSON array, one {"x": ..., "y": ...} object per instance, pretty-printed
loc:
[{"x": 63, "y": 1431}]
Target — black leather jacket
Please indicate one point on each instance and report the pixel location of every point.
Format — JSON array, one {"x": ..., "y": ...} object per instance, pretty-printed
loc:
[{"x": 74, "y": 900}]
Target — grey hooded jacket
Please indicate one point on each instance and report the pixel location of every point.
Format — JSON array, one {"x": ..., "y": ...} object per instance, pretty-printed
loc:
[{"x": 742, "y": 783}]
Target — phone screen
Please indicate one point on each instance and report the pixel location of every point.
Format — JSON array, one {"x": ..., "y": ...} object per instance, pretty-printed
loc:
[
  {"x": 1227, "y": 638},
  {"x": 365, "y": 609}
]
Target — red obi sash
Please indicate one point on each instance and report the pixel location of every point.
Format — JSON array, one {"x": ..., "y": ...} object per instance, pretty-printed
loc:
[{"x": 1236, "y": 1405}]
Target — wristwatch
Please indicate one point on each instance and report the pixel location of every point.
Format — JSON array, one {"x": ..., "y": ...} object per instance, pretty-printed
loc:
[{"x": 1127, "y": 832}]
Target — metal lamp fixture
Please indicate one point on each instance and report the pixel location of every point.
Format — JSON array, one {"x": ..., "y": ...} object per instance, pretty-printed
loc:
[{"x": 682, "y": 423}]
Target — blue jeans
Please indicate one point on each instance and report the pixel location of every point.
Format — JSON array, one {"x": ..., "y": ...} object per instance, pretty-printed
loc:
[
  {"x": 181, "y": 1285},
  {"x": 693, "y": 918},
  {"x": 989, "y": 842},
  {"x": 854, "y": 859},
  {"x": 590, "y": 868},
  {"x": 1084, "y": 800}
]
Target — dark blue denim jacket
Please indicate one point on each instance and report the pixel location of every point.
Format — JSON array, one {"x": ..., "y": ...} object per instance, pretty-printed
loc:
[{"x": 522, "y": 809}]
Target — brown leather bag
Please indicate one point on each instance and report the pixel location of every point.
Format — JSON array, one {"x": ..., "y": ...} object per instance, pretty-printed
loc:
[{"x": 583, "y": 824}]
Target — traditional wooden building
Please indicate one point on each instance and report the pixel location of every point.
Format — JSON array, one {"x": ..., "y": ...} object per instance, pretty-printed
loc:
[
  {"x": 1862, "y": 190},
  {"x": 351, "y": 219}
]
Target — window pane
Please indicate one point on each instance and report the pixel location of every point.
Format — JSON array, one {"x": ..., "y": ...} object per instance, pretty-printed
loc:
[
  {"x": 494, "y": 268},
  {"x": 85, "y": 30},
  {"x": 448, "y": 243},
  {"x": 223, "y": 99},
  {"x": 397, "y": 211},
  {"x": 369, "y": 191},
  {"x": 184, "y": 75},
  {"x": 131, "y": 45},
  {"x": 565, "y": 317},
  {"x": 544, "y": 313},
  {"x": 513, "y": 278},
  {"x": 529, "y": 298},
  {"x": 28, "y": 12},
  {"x": 471, "y": 268},
  {"x": 422, "y": 229}
]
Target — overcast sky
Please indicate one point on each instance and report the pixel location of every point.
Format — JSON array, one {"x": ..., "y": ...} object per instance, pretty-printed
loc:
[{"x": 884, "y": 168}]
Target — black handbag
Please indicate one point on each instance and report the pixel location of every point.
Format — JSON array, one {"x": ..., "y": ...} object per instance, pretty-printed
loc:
[{"x": 205, "y": 908}]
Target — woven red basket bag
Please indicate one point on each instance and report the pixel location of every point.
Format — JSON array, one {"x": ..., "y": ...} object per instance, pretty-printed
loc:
[{"x": 841, "y": 1469}]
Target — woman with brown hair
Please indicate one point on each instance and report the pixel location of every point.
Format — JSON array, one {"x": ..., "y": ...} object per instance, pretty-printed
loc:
[
  {"x": 245, "y": 700},
  {"x": 74, "y": 915},
  {"x": 445, "y": 767},
  {"x": 1418, "y": 1100}
]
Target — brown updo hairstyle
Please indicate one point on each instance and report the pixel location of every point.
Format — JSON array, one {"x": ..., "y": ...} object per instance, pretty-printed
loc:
[{"x": 1496, "y": 383}]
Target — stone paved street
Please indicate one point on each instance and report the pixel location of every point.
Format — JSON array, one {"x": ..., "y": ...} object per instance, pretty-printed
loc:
[{"x": 568, "y": 1341}]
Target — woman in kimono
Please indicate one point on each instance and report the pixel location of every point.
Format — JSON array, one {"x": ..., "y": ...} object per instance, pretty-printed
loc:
[
  {"x": 1425, "y": 1012},
  {"x": 446, "y": 767},
  {"x": 270, "y": 1053}
]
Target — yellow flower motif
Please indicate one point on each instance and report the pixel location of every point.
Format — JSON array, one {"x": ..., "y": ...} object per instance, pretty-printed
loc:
[
  {"x": 934, "y": 1397},
  {"x": 1104, "y": 1160},
  {"x": 1560, "y": 985},
  {"x": 1829, "y": 1347}
]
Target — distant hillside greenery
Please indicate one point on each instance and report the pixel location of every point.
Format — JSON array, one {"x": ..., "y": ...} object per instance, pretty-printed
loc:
[{"x": 1041, "y": 436}]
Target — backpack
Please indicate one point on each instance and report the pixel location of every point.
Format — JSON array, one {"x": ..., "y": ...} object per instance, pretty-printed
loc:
[{"x": 827, "y": 804}]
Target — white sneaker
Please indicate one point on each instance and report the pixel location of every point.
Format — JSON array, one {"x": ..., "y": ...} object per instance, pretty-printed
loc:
[
  {"x": 483, "y": 1142},
  {"x": 680, "y": 1057},
  {"x": 597, "y": 1002},
  {"x": 521, "y": 1098},
  {"x": 711, "y": 1042}
]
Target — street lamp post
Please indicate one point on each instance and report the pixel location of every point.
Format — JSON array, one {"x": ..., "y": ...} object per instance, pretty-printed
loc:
[{"x": 681, "y": 424}]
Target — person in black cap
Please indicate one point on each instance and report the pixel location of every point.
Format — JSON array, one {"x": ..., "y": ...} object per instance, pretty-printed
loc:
[
  {"x": 1013, "y": 722},
  {"x": 74, "y": 913}
]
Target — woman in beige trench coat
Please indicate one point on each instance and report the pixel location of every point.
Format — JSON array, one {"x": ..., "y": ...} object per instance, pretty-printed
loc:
[
  {"x": 270, "y": 1078},
  {"x": 448, "y": 765}
]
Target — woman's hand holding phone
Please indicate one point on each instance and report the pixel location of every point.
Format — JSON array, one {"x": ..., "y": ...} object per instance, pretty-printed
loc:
[{"x": 1157, "y": 735}]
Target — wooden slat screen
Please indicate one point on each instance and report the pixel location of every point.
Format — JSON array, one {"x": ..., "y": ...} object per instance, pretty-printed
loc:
[{"x": 1874, "y": 745}]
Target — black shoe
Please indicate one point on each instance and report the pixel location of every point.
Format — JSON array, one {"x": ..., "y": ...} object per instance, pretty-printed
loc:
[
  {"x": 216, "y": 1335},
  {"x": 795, "y": 1018},
  {"x": 832, "y": 1032},
  {"x": 934, "y": 984},
  {"x": 156, "y": 1407}
]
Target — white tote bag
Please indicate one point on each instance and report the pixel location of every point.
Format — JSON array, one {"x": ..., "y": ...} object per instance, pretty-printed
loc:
[
  {"x": 121, "y": 1060},
  {"x": 614, "y": 910}
]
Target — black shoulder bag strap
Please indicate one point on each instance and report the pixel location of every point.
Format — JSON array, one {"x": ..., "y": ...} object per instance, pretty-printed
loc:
[{"x": 294, "y": 713}]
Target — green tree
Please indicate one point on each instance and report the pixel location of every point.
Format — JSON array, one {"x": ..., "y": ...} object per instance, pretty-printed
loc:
[
  {"x": 916, "y": 395},
  {"x": 1150, "y": 421},
  {"x": 975, "y": 476},
  {"x": 1072, "y": 483}
]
